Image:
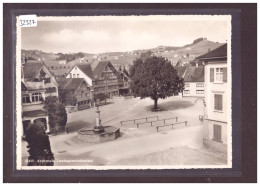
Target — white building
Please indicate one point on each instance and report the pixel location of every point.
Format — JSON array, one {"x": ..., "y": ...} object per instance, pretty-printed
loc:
[
  {"x": 194, "y": 82},
  {"x": 81, "y": 71},
  {"x": 217, "y": 98}
]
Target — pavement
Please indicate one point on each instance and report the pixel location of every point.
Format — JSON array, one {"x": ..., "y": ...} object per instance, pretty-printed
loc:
[{"x": 134, "y": 142}]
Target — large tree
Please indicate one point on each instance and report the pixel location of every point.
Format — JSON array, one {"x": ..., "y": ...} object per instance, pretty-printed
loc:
[
  {"x": 56, "y": 112},
  {"x": 156, "y": 78},
  {"x": 39, "y": 148}
]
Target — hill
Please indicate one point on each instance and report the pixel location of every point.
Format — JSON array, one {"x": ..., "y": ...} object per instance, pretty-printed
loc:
[{"x": 177, "y": 55}]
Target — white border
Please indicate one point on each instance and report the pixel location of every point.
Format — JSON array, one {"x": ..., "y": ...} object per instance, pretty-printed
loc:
[{"x": 97, "y": 18}]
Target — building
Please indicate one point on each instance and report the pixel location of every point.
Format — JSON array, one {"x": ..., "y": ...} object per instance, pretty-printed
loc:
[
  {"x": 37, "y": 84},
  {"x": 101, "y": 76},
  {"x": 63, "y": 62},
  {"x": 217, "y": 98},
  {"x": 81, "y": 71},
  {"x": 124, "y": 83},
  {"x": 194, "y": 81},
  {"x": 106, "y": 79},
  {"x": 76, "y": 93}
]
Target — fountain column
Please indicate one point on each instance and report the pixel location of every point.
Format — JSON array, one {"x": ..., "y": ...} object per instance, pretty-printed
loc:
[
  {"x": 98, "y": 128},
  {"x": 98, "y": 117}
]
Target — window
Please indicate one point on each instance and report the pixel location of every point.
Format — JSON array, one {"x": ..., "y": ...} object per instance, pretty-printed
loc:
[
  {"x": 74, "y": 75},
  {"x": 219, "y": 74},
  {"x": 217, "y": 133},
  {"x": 36, "y": 97},
  {"x": 199, "y": 91},
  {"x": 187, "y": 85},
  {"x": 77, "y": 75},
  {"x": 47, "y": 80},
  {"x": 75, "y": 67},
  {"x": 218, "y": 102},
  {"x": 26, "y": 98},
  {"x": 186, "y": 91},
  {"x": 199, "y": 85}
]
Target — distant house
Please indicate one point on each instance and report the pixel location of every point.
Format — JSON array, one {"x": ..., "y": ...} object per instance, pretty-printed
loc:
[
  {"x": 62, "y": 62},
  {"x": 105, "y": 79},
  {"x": 37, "y": 84},
  {"x": 217, "y": 98},
  {"x": 76, "y": 93},
  {"x": 100, "y": 75},
  {"x": 194, "y": 82},
  {"x": 81, "y": 71}
]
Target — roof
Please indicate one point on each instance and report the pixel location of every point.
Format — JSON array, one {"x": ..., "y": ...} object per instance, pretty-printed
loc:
[
  {"x": 30, "y": 85},
  {"x": 71, "y": 83},
  {"x": 30, "y": 70},
  {"x": 86, "y": 68},
  {"x": 100, "y": 67},
  {"x": 181, "y": 71},
  {"x": 220, "y": 52},
  {"x": 194, "y": 74},
  {"x": 34, "y": 113},
  {"x": 24, "y": 88}
]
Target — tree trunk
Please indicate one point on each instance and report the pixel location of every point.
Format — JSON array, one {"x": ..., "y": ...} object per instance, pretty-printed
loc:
[{"x": 155, "y": 104}]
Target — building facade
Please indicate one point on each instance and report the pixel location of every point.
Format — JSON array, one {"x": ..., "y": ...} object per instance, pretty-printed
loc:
[
  {"x": 217, "y": 98},
  {"x": 37, "y": 84},
  {"x": 101, "y": 76},
  {"x": 81, "y": 71},
  {"x": 106, "y": 79},
  {"x": 194, "y": 82},
  {"x": 76, "y": 93}
]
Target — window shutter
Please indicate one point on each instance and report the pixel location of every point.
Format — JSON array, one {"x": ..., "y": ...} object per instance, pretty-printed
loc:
[
  {"x": 218, "y": 102},
  {"x": 217, "y": 133},
  {"x": 211, "y": 74},
  {"x": 224, "y": 75}
]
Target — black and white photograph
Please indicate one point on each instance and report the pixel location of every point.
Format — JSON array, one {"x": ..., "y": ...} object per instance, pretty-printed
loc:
[{"x": 124, "y": 92}]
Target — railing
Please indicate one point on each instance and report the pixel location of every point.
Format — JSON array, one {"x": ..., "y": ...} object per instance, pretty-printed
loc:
[
  {"x": 134, "y": 120},
  {"x": 137, "y": 125},
  {"x": 157, "y": 128},
  {"x": 176, "y": 118}
]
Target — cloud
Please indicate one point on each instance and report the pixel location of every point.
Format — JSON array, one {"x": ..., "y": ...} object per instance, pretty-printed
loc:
[{"x": 118, "y": 35}]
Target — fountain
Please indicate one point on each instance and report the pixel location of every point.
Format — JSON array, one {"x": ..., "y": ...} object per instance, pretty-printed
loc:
[{"x": 98, "y": 133}]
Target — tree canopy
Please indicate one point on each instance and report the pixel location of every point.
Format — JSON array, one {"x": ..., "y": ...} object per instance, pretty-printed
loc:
[
  {"x": 56, "y": 112},
  {"x": 39, "y": 148},
  {"x": 156, "y": 78}
]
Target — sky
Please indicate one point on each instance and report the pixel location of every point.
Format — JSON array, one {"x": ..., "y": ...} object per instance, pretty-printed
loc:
[{"x": 120, "y": 34}]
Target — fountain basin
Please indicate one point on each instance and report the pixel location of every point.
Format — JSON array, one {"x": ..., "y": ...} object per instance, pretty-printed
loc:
[{"x": 108, "y": 133}]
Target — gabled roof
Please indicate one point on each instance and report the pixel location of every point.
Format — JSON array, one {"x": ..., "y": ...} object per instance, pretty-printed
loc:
[
  {"x": 71, "y": 83},
  {"x": 100, "y": 67},
  {"x": 194, "y": 74},
  {"x": 30, "y": 70},
  {"x": 181, "y": 71},
  {"x": 220, "y": 52},
  {"x": 86, "y": 68}
]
